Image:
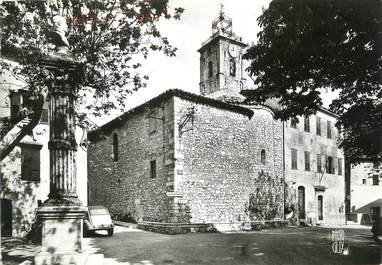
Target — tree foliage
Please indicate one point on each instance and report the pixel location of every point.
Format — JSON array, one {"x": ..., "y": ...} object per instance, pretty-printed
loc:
[
  {"x": 111, "y": 38},
  {"x": 304, "y": 46}
]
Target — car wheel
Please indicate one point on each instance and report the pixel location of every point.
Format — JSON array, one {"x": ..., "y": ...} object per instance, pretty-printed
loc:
[{"x": 110, "y": 232}]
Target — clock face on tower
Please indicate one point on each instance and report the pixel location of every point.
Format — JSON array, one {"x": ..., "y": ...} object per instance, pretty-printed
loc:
[{"x": 233, "y": 50}]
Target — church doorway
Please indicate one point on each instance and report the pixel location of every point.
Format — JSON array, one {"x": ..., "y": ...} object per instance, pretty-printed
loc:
[
  {"x": 301, "y": 202},
  {"x": 6, "y": 217}
]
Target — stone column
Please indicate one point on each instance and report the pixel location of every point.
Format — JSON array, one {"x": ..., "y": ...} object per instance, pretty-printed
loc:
[
  {"x": 61, "y": 215},
  {"x": 62, "y": 143}
]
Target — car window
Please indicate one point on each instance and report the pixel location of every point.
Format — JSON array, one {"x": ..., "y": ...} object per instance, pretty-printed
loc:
[{"x": 98, "y": 212}]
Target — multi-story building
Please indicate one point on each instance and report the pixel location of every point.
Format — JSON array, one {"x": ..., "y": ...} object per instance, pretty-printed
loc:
[
  {"x": 365, "y": 193},
  {"x": 25, "y": 171},
  {"x": 314, "y": 167}
]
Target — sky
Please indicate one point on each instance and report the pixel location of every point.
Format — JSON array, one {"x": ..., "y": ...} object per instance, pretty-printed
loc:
[{"x": 187, "y": 34}]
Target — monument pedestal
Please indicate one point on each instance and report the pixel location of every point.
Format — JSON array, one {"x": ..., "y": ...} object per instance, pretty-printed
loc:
[{"x": 62, "y": 236}]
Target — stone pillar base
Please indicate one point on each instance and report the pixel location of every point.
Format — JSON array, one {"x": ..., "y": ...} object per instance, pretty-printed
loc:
[
  {"x": 68, "y": 258},
  {"x": 63, "y": 258},
  {"x": 61, "y": 236}
]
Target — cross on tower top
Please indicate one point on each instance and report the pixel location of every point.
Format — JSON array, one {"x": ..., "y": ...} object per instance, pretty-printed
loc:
[{"x": 222, "y": 24}]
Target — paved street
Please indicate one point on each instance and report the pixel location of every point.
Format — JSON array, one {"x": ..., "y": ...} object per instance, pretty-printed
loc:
[{"x": 278, "y": 246}]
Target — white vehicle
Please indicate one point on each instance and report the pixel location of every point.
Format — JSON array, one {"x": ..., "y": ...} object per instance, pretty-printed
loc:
[{"x": 98, "y": 218}]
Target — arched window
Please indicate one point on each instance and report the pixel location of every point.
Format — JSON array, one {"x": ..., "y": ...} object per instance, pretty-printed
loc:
[
  {"x": 301, "y": 202},
  {"x": 232, "y": 67},
  {"x": 263, "y": 157},
  {"x": 210, "y": 70},
  {"x": 320, "y": 208},
  {"x": 115, "y": 146}
]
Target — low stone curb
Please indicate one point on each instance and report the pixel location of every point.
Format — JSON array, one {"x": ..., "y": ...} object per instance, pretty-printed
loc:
[
  {"x": 182, "y": 228},
  {"x": 125, "y": 224}
]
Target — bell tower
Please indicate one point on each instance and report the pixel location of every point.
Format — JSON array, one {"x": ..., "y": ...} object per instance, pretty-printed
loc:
[{"x": 221, "y": 63}]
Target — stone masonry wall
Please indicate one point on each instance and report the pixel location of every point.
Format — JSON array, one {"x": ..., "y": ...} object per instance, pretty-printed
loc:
[
  {"x": 125, "y": 186},
  {"x": 219, "y": 177}
]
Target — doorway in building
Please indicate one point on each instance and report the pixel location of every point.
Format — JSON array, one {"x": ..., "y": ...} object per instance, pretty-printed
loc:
[
  {"x": 320, "y": 208},
  {"x": 301, "y": 202},
  {"x": 6, "y": 217}
]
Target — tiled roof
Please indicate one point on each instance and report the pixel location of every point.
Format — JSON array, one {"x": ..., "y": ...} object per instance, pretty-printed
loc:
[{"x": 93, "y": 135}]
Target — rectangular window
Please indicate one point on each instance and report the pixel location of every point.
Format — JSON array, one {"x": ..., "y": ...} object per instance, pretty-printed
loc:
[
  {"x": 115, "y": 147},
  {"x": 339, "y": 166},
  {"x": 329, "y": 129},
  {"x": 153, "y": 169},
  {"x": 307, "y": 161},
  {"x": 293, "y": 122},
  {"x": 319, "y": 164},
  {"x": 44, "y": 116},
  {"x": 152, "y": 122},
  {"x": 306, "y": 124},
  {"x": 16, "y": 102},
  {"x": 30, "y": 162},
  {"x": 375, "y": 180},
  {"x": 294, "y": 158},
  {"x": 330, "y": 165},
  {"x": 210, "y": 70},
  {"x": 318, "y": 125},
  {"x": 363, "y": 181}
]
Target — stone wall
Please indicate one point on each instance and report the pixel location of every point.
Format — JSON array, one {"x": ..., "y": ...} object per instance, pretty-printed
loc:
[
  {"x": 208, "y": 165},
  {"x": 125, "y": 186},
  {"x": 218, "y": 168}
]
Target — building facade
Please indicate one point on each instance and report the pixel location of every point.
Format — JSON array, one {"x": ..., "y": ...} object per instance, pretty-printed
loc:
[
  {"x": 211, "y": 158},
  {"x": 25, "y": 171},
  {"x": 365, "y": 193},
  {"x": 184, "y": 158},
  {"x": 314, "y": 168}
]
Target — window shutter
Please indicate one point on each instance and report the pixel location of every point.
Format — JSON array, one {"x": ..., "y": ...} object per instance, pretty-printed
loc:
[
  {"x": 35, "y": 164},
  {"x": 25, "y": 164}
]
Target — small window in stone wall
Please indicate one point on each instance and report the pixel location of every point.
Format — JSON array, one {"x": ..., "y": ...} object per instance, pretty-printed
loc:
[
  {"x": 318, "y": 125},
  {"x": 330, "y": 165},
  {"x": 293, "y": 122},
  {"x": 263, "y": 157},
  {"x": 115, "y": 147},
  {"x": 152, "y": 122},
  {"x": 375, "y": 180},
  {"x": 306, "y": 124},
  {"x": 319, "y": 164},
  {"x": 307, "y": 160},
  {"x": 294, "y": 158},
  {"x": 232, "y": 67},
  {"x": 329, "y": 130},
  {"x": 210, "y": 71},
  {"x": 364, "y": 181},
  {"x": 153, "y": 169}
]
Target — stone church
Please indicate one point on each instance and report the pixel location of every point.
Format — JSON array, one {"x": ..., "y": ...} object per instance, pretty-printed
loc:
[{"x": 183, "y": 160}]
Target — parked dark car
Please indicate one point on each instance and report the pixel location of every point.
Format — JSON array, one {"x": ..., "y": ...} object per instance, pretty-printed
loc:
[{"x": 98, "y": 218}]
